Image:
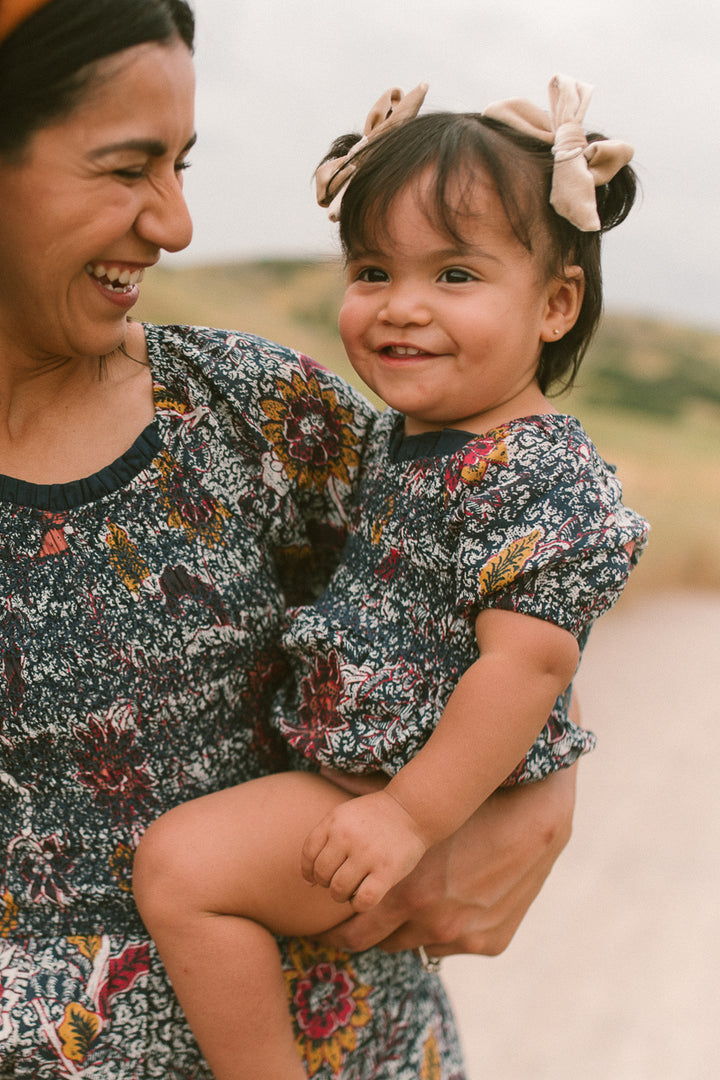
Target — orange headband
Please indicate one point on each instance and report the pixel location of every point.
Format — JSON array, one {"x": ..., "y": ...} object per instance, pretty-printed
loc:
[{"x": 13, "y": 12}]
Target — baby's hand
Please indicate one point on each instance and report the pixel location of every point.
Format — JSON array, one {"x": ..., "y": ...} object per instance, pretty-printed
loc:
[{"x": 361, "y": 849}]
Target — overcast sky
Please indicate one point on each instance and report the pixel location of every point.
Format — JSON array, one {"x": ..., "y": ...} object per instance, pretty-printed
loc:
[{"x": 279, "y": 79}]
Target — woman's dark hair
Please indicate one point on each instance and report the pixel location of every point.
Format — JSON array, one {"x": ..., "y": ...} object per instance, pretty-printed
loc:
[
  {"x": 455, "y": 146},
  {"x": 46, "y": 63}
]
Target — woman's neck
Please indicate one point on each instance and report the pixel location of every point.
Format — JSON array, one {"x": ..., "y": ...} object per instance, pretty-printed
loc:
[{"x": 64, "y": 420}]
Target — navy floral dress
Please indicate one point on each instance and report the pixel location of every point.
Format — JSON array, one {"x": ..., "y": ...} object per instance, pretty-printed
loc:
[
  {"x": 527, "y": 517},
  {"x": 140, "y": 611}
]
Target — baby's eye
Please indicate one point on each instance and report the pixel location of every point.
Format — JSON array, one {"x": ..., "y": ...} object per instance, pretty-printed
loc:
[
  {"x": 372, "y": 274},
  {"x": 455, "y": 275},
  {"x": 181, "y": 166}
]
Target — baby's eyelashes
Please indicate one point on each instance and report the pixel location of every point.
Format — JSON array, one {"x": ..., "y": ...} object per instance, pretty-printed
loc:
[
  {"x": 455, "y": 275},
  {"x": 372, "y": 274}
]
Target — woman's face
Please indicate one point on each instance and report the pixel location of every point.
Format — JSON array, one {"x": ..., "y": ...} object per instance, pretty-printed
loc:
[{"x": 91, "y": 203}]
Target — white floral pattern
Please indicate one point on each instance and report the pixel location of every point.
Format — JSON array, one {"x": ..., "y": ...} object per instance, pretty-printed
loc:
[
  {"x": 139, "y": 619},
  {"x": 527, "y": 517}
]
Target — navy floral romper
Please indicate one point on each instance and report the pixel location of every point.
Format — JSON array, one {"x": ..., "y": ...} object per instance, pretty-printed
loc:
[{"x": 527, "y": 517}]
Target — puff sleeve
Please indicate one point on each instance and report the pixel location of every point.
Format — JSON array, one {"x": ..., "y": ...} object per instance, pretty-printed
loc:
[{"x": 546, "y": 533}]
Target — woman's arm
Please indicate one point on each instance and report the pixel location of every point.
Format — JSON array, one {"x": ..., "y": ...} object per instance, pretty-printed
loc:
[{"x": 470, "y": 893}]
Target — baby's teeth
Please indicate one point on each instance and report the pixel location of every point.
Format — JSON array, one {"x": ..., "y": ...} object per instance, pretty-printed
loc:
[
  {"x": 113, "y": 274},
  {"x": 123, "y": 278},
  {"x": 99, "y": 271}
]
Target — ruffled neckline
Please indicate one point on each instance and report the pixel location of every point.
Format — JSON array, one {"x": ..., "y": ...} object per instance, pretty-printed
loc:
[
  {"x": 105, "y": 481},
  {"x": 428, "y": 444},
  {"x": 90, "y": 488}
]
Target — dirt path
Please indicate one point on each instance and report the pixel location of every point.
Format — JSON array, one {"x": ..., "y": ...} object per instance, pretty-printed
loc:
[{"x": 614, "y": 974}]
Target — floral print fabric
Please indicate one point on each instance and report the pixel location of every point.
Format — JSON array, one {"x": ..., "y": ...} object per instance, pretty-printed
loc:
[
  {"x": 139, "y": 618},
  {"x": 527, "y": 517}
]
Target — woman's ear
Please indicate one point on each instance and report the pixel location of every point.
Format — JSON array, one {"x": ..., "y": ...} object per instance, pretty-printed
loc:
[{"x": 564, "y": 302}]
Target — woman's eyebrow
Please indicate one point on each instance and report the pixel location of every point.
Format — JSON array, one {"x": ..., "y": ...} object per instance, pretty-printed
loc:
[{"x": 151, "y": 147}]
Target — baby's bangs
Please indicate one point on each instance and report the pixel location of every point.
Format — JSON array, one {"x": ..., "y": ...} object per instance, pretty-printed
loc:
[
  {"x": 385, "y": 169},
  {"x": 457, "y": 150}
]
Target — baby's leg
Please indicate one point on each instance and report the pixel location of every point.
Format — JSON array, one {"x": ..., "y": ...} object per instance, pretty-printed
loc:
[{"x": 212, "y": 878}]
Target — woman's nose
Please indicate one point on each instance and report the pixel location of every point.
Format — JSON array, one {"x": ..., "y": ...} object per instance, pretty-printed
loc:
[{"x": 165, "y": 220}]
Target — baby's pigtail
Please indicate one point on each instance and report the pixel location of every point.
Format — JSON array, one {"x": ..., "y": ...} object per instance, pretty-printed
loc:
[{"x": 615, "y": 199}]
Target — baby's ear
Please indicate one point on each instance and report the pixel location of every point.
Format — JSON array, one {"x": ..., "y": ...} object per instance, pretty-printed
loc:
[{"x": 565, "y": 299}]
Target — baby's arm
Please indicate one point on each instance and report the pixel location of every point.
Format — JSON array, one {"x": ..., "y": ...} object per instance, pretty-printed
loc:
[{"x": 365, "y": 846}]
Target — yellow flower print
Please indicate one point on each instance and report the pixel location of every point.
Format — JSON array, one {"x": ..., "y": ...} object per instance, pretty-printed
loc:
[
  {"x": 125, "y": 558},
  {"x": 88, "y": 945},
  {"x": 121, "y": 862},
  {"x": 78, "y": 1031},
  {"x": 328, "y": 1004},
  {"x": 378, "y": 526},
  {"x": 508, "y": 563},
  {"x": 430, "y": 1069},
  {"x": 8, "y": 914},
  {"x": 311, "y": 432},
  {"x": 198, "y": 513},
  {"x": 166, "y": 401},
  {"x": 475, "y": 460},
  {"x": 475, "y": 465}
]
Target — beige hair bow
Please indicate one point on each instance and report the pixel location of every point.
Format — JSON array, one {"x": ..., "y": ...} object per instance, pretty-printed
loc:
[
  {"x": 579, "y": 166},
  {"x": 392, "y": 109}
]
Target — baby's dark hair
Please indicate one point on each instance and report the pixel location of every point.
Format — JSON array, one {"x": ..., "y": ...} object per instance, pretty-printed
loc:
[
  {"x": 455, "y": 146},
  {"x": 48, "y": 61}
]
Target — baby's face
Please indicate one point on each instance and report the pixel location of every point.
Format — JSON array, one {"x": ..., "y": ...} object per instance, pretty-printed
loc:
[{"x": 450, "y": 333}]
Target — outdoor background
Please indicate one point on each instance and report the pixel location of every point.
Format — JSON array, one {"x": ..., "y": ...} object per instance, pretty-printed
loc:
[{"x": 613, "y": 975}]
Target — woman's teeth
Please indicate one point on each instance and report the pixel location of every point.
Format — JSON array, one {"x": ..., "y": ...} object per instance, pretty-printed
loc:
[{"x": 110, "y": 277}]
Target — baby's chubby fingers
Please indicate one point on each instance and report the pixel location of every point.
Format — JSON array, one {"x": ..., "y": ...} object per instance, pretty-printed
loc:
[
  {"x": 314, "y": 843},
  {"x": 368, "y": 893},
  {"x": 346, "y": 883},
  {"x": 321, "y": 857}
]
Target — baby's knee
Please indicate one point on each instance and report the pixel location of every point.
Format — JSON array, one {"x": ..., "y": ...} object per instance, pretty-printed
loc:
[{"x": 162, "y": 868}]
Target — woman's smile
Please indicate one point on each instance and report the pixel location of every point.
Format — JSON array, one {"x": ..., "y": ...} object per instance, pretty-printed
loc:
[
  {"x": 113, "y": 278},
  {"x": 92, "y": 202}
]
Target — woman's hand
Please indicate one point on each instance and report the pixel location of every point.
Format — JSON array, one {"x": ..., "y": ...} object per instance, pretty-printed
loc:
[{"x": 470, "y": 893}]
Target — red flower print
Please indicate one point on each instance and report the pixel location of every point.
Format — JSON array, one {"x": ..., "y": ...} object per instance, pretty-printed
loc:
[
  {"x": 311, "y": 431},
  {"x": 46, "y": 863},
  {"x": 112, "y": 765},
  {"x": 321, "y": 694},
  {"x": 476, "y": 457},
  {"x": 329, "y": 1005},
  {"x": 323, "y": 1001}
]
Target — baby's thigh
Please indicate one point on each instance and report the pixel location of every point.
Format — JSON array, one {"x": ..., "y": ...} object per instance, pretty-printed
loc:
[{"x": 237, "y": 851}]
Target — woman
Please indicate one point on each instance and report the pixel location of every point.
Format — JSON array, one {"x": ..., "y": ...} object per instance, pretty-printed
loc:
[{"x": 163, "y": 491}]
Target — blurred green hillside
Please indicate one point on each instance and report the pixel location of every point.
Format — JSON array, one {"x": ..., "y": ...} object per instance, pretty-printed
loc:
[{"x": 648, "y": 393}]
